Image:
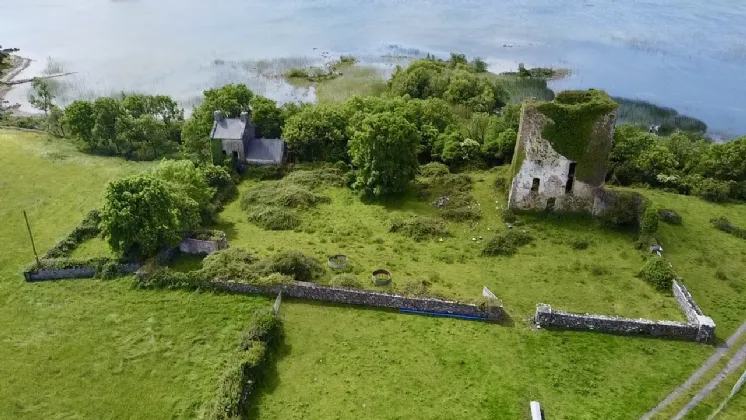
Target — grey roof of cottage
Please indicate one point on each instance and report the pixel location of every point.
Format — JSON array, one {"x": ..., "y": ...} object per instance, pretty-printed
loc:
[
  {"x": 264, "y": 151},
  {"x": 228, "y": 129}
]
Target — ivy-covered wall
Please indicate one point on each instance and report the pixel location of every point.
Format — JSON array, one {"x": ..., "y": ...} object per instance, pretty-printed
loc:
[{"x": 579, "y": 128}]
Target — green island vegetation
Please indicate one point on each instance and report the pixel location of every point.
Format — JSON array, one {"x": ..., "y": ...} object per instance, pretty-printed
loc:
[{"x": 410, "y": 177}]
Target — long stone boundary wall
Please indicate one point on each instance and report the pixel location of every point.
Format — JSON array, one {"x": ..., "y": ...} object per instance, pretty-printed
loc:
[
  {"x": 546, "y": 317},
  {"x": 81, "y": 272},
  {"x": 310, "y": 291}
]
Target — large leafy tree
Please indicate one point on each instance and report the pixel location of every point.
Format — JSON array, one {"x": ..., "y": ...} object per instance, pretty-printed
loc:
[
  {"x": 318, "y": 133},
  {"x": 107, "y": 111},
  {"x": 80, "y": 118},
  {"x": 267, "y": 117},
  {"x": 231, "y": 100},
  {"x": 142, "y": 214},
  {"x": 384, "y": 151},
  {"x": 184, "y": 177}
]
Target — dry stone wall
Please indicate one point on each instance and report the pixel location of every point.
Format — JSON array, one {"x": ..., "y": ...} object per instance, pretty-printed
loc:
[
  {"x": 82, "y": 272},
  {"x": 310, "y": 291},
  {"x": 546, "y": 317},
  {"x": 197, "y": 246}
]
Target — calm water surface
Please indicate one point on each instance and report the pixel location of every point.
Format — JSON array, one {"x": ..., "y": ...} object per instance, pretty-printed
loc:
[{"x": 686, "y": 54}]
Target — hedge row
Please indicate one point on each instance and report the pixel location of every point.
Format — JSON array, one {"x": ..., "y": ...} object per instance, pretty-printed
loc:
[
  {"x": 87, "y": 229},
  {"x": 244, "y": 369}
]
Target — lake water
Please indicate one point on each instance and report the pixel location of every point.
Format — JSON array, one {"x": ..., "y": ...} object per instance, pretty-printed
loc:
[{"x": 685, "y": 54}]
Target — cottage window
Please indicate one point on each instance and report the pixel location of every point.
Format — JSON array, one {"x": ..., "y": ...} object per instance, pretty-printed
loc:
[{"x": 535, "y": 185}]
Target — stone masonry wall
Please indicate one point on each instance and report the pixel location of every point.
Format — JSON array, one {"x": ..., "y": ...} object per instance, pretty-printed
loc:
[
  {"x": 73, "y": 273},
  {"x": 310, "y": 291},
  {"x": 546, "y": 317},
  {"x": 686, "y": 302},
  {"x": 196, "y": 246}
]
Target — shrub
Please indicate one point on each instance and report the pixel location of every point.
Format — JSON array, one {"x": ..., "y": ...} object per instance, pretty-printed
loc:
[
  {"x": 165, "y": 278},
  {"x": 461, "y": 214},
  {"x": 295, "y": 264},
  {"x": 669, "y": 216},
  {"x": 282, "y": 195},
  {"x": 720, "y": 274},
  {"x": 712, "y": 190},
  {"x": 229, "y": 264},
  {"x": 274, "y": 218},
  {"x": 580, "y": 243},
  {"x": 297, "y": 72},
  {"x": 622, "y": 209},
  {"x": 272, "y": 279},
  {"x": 599, "y": 270},
  {"x": 649, "y": 221},
  {"x": 721, "y": 223},
  {"x": 658, "y": 272},
  {"x": 415, "y": 287},
  {"x": 345, "y": 280},
  {"x": 434, "y": 170},
  {"x": 507, "y": 215},
  {"x": 502, "y": 183},
  {"x": 419, "y": 228},
  {"x": 506, "y": 244},
  {"x": 264, "y": 325}
]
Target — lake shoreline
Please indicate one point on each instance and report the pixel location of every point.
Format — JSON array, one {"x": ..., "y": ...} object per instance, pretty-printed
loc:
[{"x": 19, "y": 65}]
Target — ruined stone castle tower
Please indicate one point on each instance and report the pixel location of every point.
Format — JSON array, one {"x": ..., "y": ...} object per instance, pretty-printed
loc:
[{"x": 561, "y": 155}]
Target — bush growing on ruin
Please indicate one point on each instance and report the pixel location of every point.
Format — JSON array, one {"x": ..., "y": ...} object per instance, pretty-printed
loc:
[{"x": 658, "y": 272}]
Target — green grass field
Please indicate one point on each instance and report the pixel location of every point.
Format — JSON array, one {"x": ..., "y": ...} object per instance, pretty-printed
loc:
[
  {"x": 88, "y": 349},
  {"x": 95, "y": 349}
]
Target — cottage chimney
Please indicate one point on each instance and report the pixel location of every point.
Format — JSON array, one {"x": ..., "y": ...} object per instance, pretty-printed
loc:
[
  {"x": 218, "y": 116},
  {"x": 244, "y": 117}
]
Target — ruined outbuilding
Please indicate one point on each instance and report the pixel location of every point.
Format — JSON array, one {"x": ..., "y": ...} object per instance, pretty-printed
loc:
[
  {"x": 236, "y": 138},
  {"x": 561, "y": 154}
]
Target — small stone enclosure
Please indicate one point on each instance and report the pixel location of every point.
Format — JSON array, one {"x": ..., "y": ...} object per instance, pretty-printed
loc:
[{"x": 560, "y": 160}]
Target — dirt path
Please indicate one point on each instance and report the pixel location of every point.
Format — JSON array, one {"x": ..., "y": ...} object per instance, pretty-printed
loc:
[{"x": 710, "y": 362}]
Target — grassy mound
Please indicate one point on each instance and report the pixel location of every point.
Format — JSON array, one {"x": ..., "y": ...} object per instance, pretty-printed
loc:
[
  {"x": 282, "y": 194},
  {"x": 273, "y": 218}
]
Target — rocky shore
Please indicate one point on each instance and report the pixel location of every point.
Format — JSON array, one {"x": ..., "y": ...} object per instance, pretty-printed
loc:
[{"x": 19, "y": 65}]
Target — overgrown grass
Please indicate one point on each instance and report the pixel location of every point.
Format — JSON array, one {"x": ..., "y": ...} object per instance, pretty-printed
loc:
[{"x": 87, "y": 348}]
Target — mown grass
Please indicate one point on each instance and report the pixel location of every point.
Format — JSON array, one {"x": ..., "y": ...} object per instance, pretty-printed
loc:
[
  {"x": 345, "y": 362},
  {"x": 89, "y": 349}
]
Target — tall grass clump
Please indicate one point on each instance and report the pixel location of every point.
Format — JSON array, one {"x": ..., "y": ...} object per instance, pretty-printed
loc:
[
  {"x": 282, "y": 194},
  {"x": 273, "y": 218},
  {"x": 324, "y": 177},
  {"x": 419, "y": 228},
  {"x": 507, "y": 243}
]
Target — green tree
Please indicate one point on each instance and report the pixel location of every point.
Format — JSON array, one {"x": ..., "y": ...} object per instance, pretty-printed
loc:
[
  {"x": 142, "y": 214},
  {"x": 41, "y": 97},
  {"x": 54, "y": 121},
  {"x": 422, "y": 79},
  {"x": 5, "y": 59},
  {"x": 267, "y": 117},
  {"x": 318, "y": 133},
  {"x": 231, "y": 100},
  {"x": 500, "y": 148},
  {"x": 107, "y": 111},
  {"x": 384, "y": 150},
  {"x": 143, "y": 134},
  {"x": 185, "y": 178},
  {"x": 80, "y": 118}
]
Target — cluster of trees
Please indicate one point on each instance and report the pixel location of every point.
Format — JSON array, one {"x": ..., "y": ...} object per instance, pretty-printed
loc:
[
  {"x": 134, "y": 126},
  {"x": 456, "y": 81},
  {"x": 685, "y": 162},
  {"x": 143, "y": 213}
]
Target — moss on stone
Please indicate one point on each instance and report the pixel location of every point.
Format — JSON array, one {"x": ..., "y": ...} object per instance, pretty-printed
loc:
[
  {"x": 518, "y": 157},
  {"x": 573, "y": 131}
]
